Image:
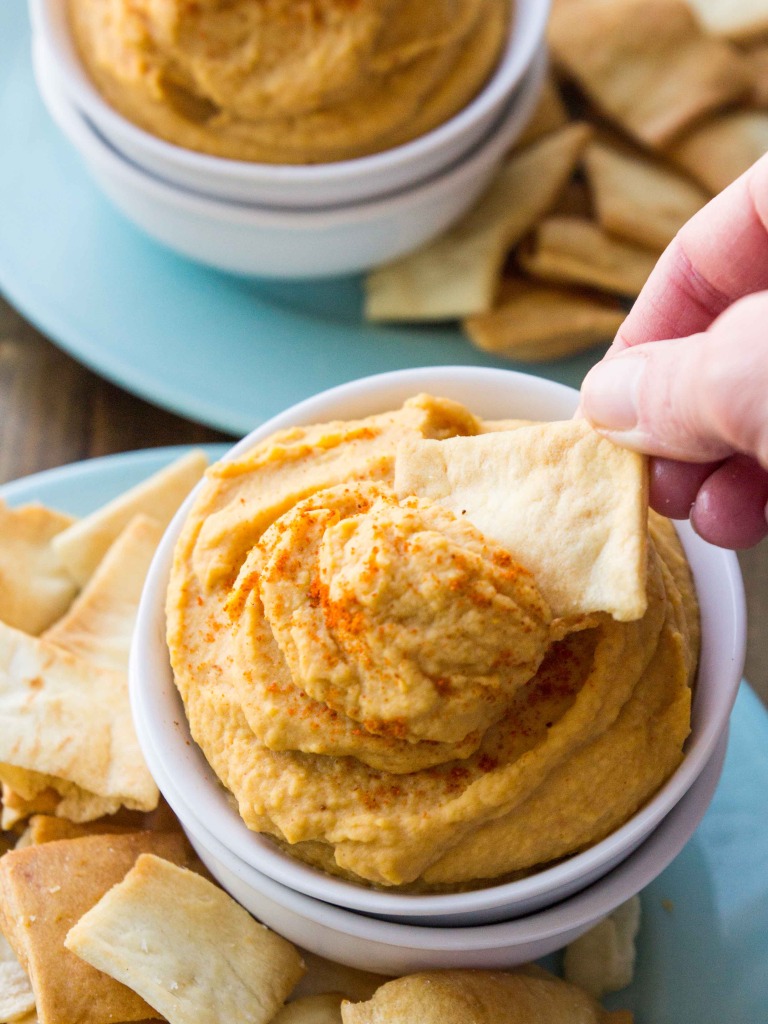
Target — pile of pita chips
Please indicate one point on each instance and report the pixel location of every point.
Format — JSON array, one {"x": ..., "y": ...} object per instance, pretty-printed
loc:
[
  {"x": 674, "y": 97},
  {"x": 69, "y": 599}
]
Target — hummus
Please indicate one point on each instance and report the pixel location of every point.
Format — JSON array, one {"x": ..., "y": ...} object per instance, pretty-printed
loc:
[
  {"x": 289, "y": 81},
  {"x": 384, "y": 688}
]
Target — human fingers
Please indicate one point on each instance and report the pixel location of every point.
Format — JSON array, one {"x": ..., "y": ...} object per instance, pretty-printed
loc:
[
  {"x": 730, "y": 507},
  {"x": 694, "y": 399},
  {"x": 673, "y": 486},
  {"x": 720, "y": 255}
]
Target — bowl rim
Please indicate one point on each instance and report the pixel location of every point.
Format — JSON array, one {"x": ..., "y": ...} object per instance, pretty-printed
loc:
[
  {"x": 361, "y": 397},
  {"x": 87, "y": 140},
  {"x": 50, "y": 22},
  {"x": 581, "y": 909}
]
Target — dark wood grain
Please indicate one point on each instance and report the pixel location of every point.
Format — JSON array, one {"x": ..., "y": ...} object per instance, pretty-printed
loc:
[{"x": 54, "y": 411}]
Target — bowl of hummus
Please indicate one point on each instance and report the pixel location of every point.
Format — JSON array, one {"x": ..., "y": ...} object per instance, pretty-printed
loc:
[
  {"x": 289, "y": 104},
  {"x": 435, "y": 658}
]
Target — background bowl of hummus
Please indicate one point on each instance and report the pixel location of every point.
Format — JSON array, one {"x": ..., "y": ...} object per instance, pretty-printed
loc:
[
  {"x": 276, "y": 242},
  {"x": 363, "y": 102},
  {"x": 165, "y": 736}
]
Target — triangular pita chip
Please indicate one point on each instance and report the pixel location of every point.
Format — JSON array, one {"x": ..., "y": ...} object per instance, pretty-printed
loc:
[
  {"x": 44, "y": 890},
  {"x": 99, "y": 624},
  {"x": 458, "y": 274},
  {"x": 65, "y": 718},
  {"x": 34, "y": 587},
  {"x": 735, "y": 19},
  {"x": 648, "y": 64},
  {"x": 639, "y": 199},
  {"x": 323, "y": 1008},
  {"x": 16, "y": 996},
  {"x": 534, "y": 322},
  {"x": 723, "y": 148},
  {"x": 569, "y": 505},
  {"x": 221, "y": 965},
  {"x": 602, "y": 960},
  {"x": 81, "y": 547},
  {"x": 549, "y": 115},
  {"x": 573, "y": 250}
]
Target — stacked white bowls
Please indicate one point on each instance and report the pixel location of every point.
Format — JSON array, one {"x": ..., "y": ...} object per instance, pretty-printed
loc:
[
  {"x": 496, "y": 926},
  {"x": 292, "y": 221}
]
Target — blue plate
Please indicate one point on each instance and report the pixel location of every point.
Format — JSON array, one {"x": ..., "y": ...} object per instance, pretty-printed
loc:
[
  {"x": 227, "y": 351},
  {"x": 703, "y": 946}
]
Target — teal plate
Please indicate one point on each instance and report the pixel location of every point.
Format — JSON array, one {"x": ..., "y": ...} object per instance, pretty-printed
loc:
[
  {"x": 703, "y": 945},
  {"x": 224, "y": 350}
]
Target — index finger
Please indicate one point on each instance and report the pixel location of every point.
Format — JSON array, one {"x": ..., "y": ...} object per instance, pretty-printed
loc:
[{"x": 720, "y": 255}]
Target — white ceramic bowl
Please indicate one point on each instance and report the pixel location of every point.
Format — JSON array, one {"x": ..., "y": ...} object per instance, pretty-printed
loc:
[
  {"x": 398, "y": 947},
  {"x": 305, "y": 186},
  {"x": 165, "y": 738},
  {"x": 278, "y": 243}
]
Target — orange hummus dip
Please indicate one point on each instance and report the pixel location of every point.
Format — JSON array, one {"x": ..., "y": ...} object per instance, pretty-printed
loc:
[
  {"x": 386, "y": 690},
  {"x": 289, "y": 81}
]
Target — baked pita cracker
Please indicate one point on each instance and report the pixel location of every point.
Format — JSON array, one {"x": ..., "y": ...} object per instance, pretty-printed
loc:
[
  {"x": 647, "y": 64},
  {"x": 523, "y": 996},
  {"x": 638, "y": 199},
  {"x": 573, "y": 250},
  {"x": 535, "y": 322},
  {"x": 17, "y": 808},
  {"x": 45, "y": 828},
  {"x": 458, "y": 274},
  {"x": 34, "y": 587},
  {"x": 740, "y": 20},
  {"x": 550, "y": 114},
  {"x": 16, "y": 996},
  {"x": 758, "y": 62},
  {"x": 44, "y": 890},
  {"x": 603, "y": 959},
  {"x": 81, "y": 547},
  {"x": 571, "y": 507},
  {"x": 326, "y": 975},
  {"x": 323, "y": 1008},
  {"x": 99, "y": 624},
  {"x": 220, "y": 964},
  {"x": 723, "y": 148},
  {"x": 70, "y": 721}
]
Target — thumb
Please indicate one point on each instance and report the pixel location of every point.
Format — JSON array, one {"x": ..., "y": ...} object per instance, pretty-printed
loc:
[{"x": 695, "y": 399}]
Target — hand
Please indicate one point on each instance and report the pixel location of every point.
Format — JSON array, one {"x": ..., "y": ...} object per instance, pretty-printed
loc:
[{"x": 699, "y": 399}]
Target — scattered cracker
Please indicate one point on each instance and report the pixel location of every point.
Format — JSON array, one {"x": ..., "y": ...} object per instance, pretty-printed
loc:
[
  {"x": 99, "y": 625},
  {"x": 16, "y": 996},
  {"x": 458, "y": 274},
  {"x": 568, "y": 504},
  {"x": 187, "y": 947},
  {"x": 646, "y": 63},
  {"x": 34, "y": 587},
  {"x": 639, "y": 199},
  {"x": 44, "y": 890},
  {"x": 721, "y": 149},
  {"x": 603, "y": 959},
  {"x": 573, "y": 250},
  {"x": 741, "y": 20},
  {"x": 323, "y": 1008},
  {"x": 534, "y": 322},
  {"x": 82, "y": 546}
]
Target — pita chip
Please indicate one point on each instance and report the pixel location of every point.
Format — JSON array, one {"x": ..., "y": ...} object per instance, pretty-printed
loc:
[
  {"x": 573, "y": 250},
  {"x": 44, "y": 890},
  {"x": 535, "y": 322},
  {"x": 81, "y": 547},
  {"x": 602, "y": 960},
  {"x": 186, "y": 947},
  {"x": 458, "y": 274},
  {"x": 34, "y": 587},
  {"x": 524, "y": 996},
  {"x": 647, "y": 64},
  {"x": 17, "y": 808},
  {"x": 723, "y": 148},
  {"x": 16, "y": 996},
  {"x": 758, "y": 62},
  {"x": 568, "y": 504},
  {"x": 324, "y": 1008},
  {"x": 99, "y": 624},
  {"x": 740, "y": 20},
  {"x": 70, "y": 721},
  {"x": 638, "y": 199}
]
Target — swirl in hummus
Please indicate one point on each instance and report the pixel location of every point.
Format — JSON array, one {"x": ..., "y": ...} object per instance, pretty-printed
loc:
[
  {"x": 289, "y": 81},
  {"x": 386, "y": 690}
]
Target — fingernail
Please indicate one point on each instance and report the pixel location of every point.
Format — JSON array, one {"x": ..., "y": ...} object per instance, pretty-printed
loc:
[{"x": 609, "y": 393}]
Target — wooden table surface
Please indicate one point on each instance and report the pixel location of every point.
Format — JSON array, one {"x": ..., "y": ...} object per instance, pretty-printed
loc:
[{"x": 54, "y": 411}]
